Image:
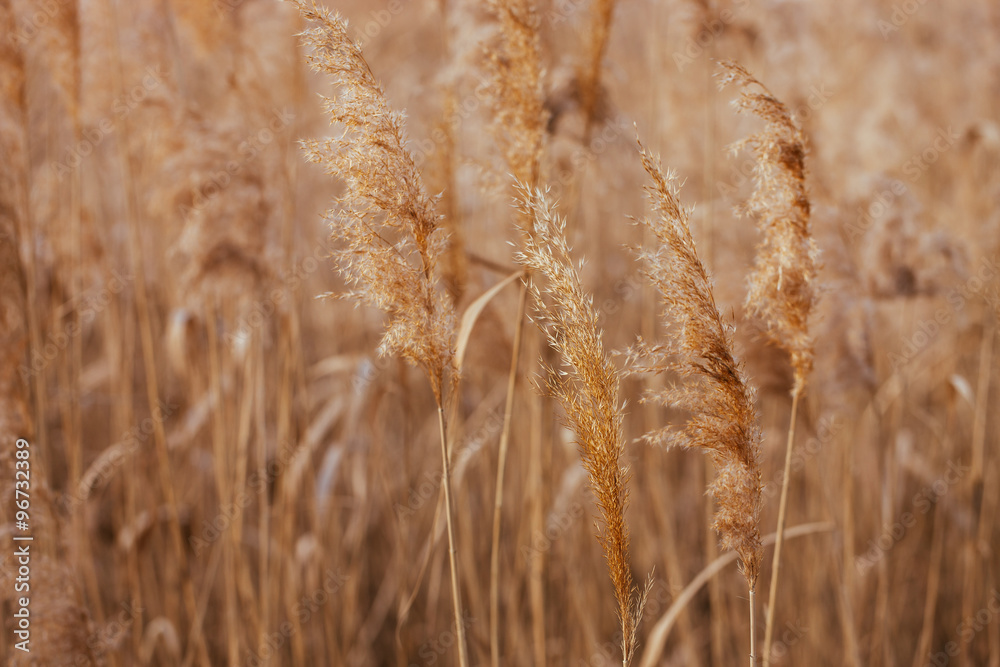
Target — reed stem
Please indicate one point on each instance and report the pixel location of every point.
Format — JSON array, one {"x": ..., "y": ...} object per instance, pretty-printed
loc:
[
  {"x": 782, "y": 507},
  {"x": 463, "y": 658},
  {"x": 501, "y": 469}
]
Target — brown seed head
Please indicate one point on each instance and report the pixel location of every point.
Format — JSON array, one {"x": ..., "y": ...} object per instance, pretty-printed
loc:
[
  {"x": 782, "y": 290},
  {"x": 388, "y": 233},
  {"x": 588, "y": 392},
  {"x": 724, "y": 421}
]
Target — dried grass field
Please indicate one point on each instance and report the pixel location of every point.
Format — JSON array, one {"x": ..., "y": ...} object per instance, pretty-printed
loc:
[{"x": 499, "y": 332}]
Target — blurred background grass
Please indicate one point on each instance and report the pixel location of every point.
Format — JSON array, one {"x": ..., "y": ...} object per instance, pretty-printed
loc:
[{"x": 226, "y": 474}]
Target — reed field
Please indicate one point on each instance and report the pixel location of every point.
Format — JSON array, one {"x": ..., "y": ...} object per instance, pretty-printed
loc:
[{"x": 499, "y": 332}]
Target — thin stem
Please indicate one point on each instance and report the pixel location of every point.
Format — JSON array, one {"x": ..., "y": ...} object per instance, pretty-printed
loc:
[
  {"x": 657, "y": 638},
  {"x": 753, "y": 629},
  {"x": 501, "y": 468},
  {"x": 197, "y": 647},
  {"x": 782, "y": 506},
  {"x": 463, "y": 658}
]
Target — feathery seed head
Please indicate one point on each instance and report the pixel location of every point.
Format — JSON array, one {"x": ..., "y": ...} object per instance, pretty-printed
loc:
[
  {"x": 388, "y": 233},
  {"x": 724, "y": 421},
  {"x": 514, "y": 68},
  {"x": 588, "y": 392},
  {"x": 782, "y": 290}
]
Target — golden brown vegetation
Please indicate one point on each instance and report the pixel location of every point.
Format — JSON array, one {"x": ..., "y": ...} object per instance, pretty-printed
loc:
[
  {"x": 228, "y": 470},
  {"x": 782, "y": 288},
  {"x": 588, "y": 393},
  {"x": 721, "y": 401}
]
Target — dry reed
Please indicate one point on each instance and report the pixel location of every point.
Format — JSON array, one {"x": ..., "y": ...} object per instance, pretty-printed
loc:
[
  {"x": 114, "y": 119},
  {"x": 721, "y": 400},
  {"x": 57, "y": 624},
  {"x": 515, "y": 91},
  {"x": 14, "y": 414},
  {"x": 589, "y": 75},
  {"x": 782, "y": 284},
  {"x": 589, "y": 393},
  {"x": 518, "y": 121},
  {"x": 388, "y": 233}
]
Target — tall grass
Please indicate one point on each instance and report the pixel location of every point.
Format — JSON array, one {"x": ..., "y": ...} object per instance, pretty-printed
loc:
[
  {"x": 390, "y": 241},
  {"x": 589, "y": 394},
  {"x": 782, "y": 290},
  {"x": 722, "y": 402},
  {"x": 228, "y": 470}
]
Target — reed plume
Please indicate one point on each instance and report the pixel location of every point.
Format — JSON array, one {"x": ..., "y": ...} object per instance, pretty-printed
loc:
[
  {"x": 588, "y": 392},
  {"x": 519, "y": 119},
  {"x": 782, "y": 286},
  {"x": 589, "y": 74},
  {"x": 389, "y": 236},
  {"x": 782, "y": 290},
  {"x": 517, "y": 101},
  {"x": 721, "y": 400}
]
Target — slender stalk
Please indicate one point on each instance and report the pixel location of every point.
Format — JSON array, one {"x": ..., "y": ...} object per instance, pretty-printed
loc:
[
  {"x": 718, "y": 611},
  {"x": 463, "y": 658},
  {"x": 753, "y": 630},
  {"x": 501, "y": 468},
  {"x": 975, "y": 487},
  {"x": 536, "y": 493},
  {"x": 782, "y": 507},
  {"x": 143, "y": 311},
  {"x": 656, "y": 641}
]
